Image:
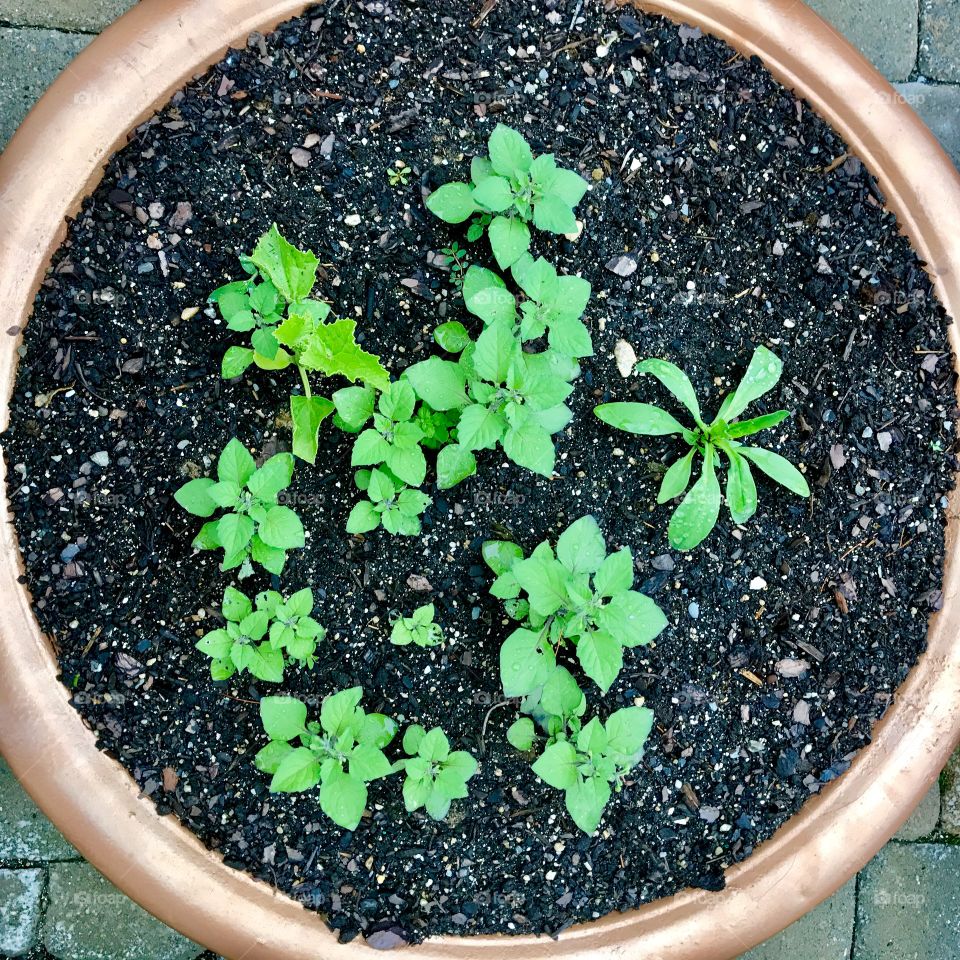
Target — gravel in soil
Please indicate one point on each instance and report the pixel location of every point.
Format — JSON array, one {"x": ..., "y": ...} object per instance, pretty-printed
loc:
[{"x": 724, "y": 214}]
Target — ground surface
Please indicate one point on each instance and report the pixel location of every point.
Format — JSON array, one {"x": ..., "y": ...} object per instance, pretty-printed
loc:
[{"x": 903, "y": 897}]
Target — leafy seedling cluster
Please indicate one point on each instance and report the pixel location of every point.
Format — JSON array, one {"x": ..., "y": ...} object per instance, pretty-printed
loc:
[
  {"x": 253, "y": 527},
  {"x": 344, "y": 751},
  {"x": 508, "y": 190},
  {"x": 419, "y": 628},
  {"x": 262, "y": 637},
  {"x": 699, "y": 510}
]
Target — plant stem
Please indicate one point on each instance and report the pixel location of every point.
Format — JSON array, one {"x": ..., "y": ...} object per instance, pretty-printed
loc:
[{"x": 304, "y": 380}]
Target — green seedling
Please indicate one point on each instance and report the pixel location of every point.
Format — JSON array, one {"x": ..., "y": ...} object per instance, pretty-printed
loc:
[
  {"x": 503, "y": 396},
  {"x": 455, "y": 258},
  {"x": 557, "y": 706},
  {"x": 262, "y": 638},
  {"x": 511, "y": 189},
  {"x": 418, "y": 628},
  {"x": 399, "y": 174},
  {"x": 287, "y": 328},
  {"x": 591, "y": 766},
  {"x": 342, "y": 753},
  {"x": 576, "y": 596},
  {"x": 396, "y": 507},
  {"x": 253, "y": 527},
  {"x": 434, "y": 775},
  {"x": 553, "y": 304},
  {"x": 699, "y": 510}
]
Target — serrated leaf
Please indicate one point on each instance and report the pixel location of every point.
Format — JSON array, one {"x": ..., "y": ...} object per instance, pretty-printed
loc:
[
  {"x": 281, "y": 528},
  {"x": 557, "y": 765},
  {"x": 632, "y": 618},
  {"x": 487, "y": 297},
  {"x": 235, "y": 362},
  {"x": 343, "y": 798},
  {"x": 292, "y": 271},
  {"x": 332, "y": 349}
]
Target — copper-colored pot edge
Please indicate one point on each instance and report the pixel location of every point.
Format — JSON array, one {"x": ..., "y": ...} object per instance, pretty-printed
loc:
[{"x": 162, "y": 865}]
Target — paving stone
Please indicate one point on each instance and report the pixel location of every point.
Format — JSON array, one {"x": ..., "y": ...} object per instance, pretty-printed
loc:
[
  {"x": 29, "y": 62},
  {"x": 90, "y": 919},
  {"x": 885, "y": 31},
  {"x": 20, "y": 903},
  {"x": 825, "y": 933},
  {"x": 908, "y": 906},
  {"x": 950, "y": 803},
  {"x": 939, "y": 108},
  {"x": 940, "y": 39},
  {"x": 26, "y": 835},
  {"x": 923, "y": 820},
  {"x": 88, "y": 15}
]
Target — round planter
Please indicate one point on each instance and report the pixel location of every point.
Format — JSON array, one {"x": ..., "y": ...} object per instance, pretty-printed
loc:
[{"x": 56, "y": 158}]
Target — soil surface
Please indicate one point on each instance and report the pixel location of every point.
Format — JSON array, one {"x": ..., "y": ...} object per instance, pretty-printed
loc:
[{"x": 742, "y": 220}]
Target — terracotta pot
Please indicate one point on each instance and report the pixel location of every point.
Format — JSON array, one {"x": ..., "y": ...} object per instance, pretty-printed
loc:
[{"x": 57, "y": 157}]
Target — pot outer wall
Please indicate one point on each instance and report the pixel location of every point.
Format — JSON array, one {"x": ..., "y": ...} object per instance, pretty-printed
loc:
[{"x": 57, "y": 158}]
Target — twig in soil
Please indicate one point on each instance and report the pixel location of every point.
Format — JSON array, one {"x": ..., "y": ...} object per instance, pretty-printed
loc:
[
  {"x": 86, "y": 386},
  {"x": 486, "y": 720},
  {"x": 485, "y": 12}
]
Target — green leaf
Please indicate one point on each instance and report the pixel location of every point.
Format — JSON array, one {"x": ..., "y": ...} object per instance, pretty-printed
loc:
[
  {"x": 343, "y": 798},
  {"x": 194, "y": 497},
  {"x": 676, "y": 381},
  {"x": 553, "y": 215},
  {"x": 236, "y": 605},
  {"x": 521, "y": 734},
  {"x": 480, "y": 169},
  {"x": 509, "y": 240},
  {"x": 557, "y": 765},
  {"x": 632, "y": 618},
  {"x": 570, "y": 336},
  {"x": 529, "y": 446},
  {"x": 741, "y": 488},
  {"x": 268, "y": 759},
  {"x": 363, "y": 518},
  {"x": 381, "y": 487},
  {"x": 581, "y": 547},
  {"x": 567, "y": 185},
  {"x": 332, "y": 349},
  {"x": 487, "y": 297},
  {"x": 586, "y": 800},
  {"x": 397, "y": 401},
  {"x": 434, "y": 745},
  {"x": 271, "y": 559},
  {"x": 307, "y": 413},
  {"x": 501, "y": 555},
  {"x": 545, "y": 581},
  {"x": 494, "y": 194},
  {"x": 412, "y": 737},
  {"x": 480, "y": 428},
  {"x": 454, "y": 464},
  {"x": 265, "y": 663},
  {"x": 601, "y": 657},
  {"x": 369, "y": 448},
  {"x": 777, "y": 468},
  {"x": 275, "y": 475},
  {"x": 235, "y": 464},
  {"x": 746, "y": 427},
  {"x": 216, "y": 644},
  {"x": 300, "y": 603},
  {"x": 207, "y": 538},
  {"x": 523, "y": 666},
  {"x": 299, "y": 770},
  {"x": 628, "y": 729},
  {"x": 235, "y": 362},
  {"x": 509, "y": 153},
  {"x": 234, "y": 531},
  {"x": 698, "y": 511},
  {"x": 451, "y": 336},
  {"x": 224, "y": 494},
  {"x": 354, "y": 406},
  {"x": 439, "y": 383},
  {"x": 378, "y": 730},
  {"x": 614, "y": 574},
  {"x": 368, "y": 763},
  {"x": 640, "y": 418},
  {"x": 677, "y": 478},
  {"x": 452, "y": 203},
  {"x": 265, "y": 343},
  {"x": 763, "y": 374},
  {"x": 281, "y": 528},
  {"x": 284, "y": 718},
  {"x": 338, "y": 710},
  {"x": 561, "y": 696},
  {"x": 292, "y": 271},
  {"x": 438, "y": 805},
  {"x": 408, "y": 463},
  {"x": 416, "y": 791}
]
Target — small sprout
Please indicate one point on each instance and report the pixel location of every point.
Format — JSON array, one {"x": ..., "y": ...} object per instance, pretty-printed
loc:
[
  {"x": 257, "y": 636},
  {"x": 578, "y": 596},
  {"x": 342, "y": 753},
  {"x": 396, "y": 507},
  {"x": 253, "y": 527},
  {"x": 699, "y": 510},
  {"x": 399, "y": 174},
  {"x": 455, "y": 256},
  {"x": 594, "y": 764},
  {"x": 435, "y": 776},
  {"x": 419, "y": 629},
  {"x": 509, "y": 190}
]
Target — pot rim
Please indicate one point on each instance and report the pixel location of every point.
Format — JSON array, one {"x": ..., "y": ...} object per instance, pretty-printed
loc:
[{"x": 157, "y": 861}]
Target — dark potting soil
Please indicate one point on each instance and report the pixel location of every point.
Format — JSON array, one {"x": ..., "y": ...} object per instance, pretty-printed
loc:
[{"x": 724, "y": 214}]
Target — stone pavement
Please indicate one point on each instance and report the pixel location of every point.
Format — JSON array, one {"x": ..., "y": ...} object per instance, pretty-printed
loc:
[{"x": 905, "y": 905}]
